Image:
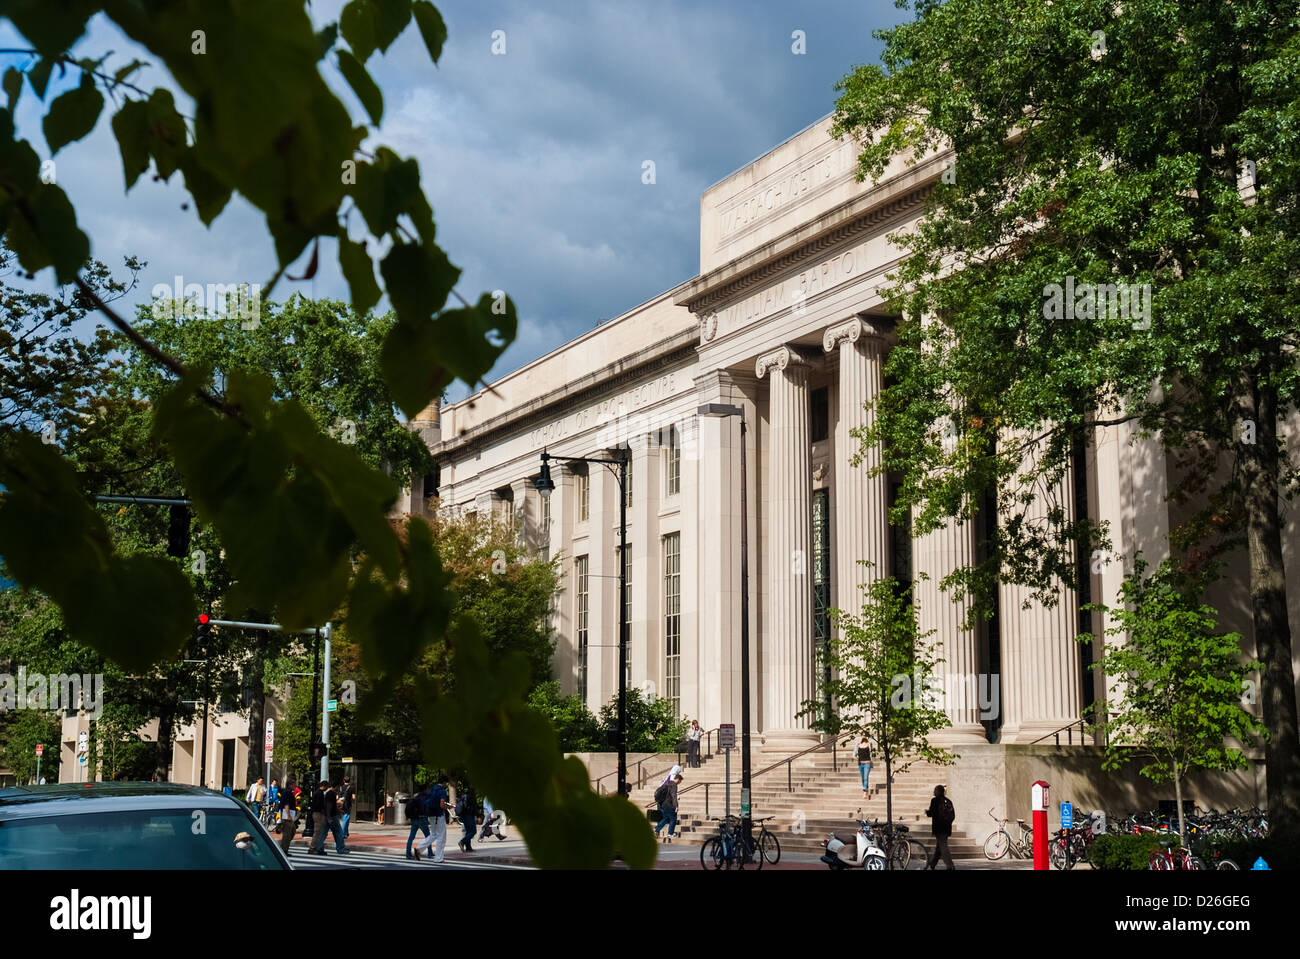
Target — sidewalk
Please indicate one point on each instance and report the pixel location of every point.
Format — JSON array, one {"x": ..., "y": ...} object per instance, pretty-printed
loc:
[{"x": 369, "y": 837}]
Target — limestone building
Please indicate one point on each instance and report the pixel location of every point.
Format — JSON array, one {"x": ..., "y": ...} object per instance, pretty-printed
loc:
[{"x": 785, "y": 319}]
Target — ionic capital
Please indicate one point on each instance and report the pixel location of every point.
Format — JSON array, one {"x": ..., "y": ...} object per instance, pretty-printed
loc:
[{"x": 778, "y": 359}]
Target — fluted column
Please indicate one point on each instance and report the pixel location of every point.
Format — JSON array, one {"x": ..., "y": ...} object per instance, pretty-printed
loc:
[
  {"x": 788, "y": 658},
  {"x": 1042, "y": 675},
  {"x": 937, "y": 554},
  {"x": 861, "y": 500}
]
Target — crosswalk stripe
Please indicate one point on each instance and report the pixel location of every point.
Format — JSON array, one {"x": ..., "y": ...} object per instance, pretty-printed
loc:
[{"x": 301, "y": 859}]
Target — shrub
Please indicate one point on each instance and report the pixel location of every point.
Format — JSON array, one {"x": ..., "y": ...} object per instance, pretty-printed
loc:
[
  {"x": 1275, "y": 852},
  {"x": 1125, "y": 852}
]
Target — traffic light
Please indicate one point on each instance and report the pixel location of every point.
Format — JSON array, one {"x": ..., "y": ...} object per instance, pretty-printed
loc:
[
  {"x": 204, "y": 630},
  {"x": 178, "y": 532},
  {"x": 318, "y": 751}
]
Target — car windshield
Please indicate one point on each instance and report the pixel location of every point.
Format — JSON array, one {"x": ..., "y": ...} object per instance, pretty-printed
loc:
[{"x": 135, "y": 839}]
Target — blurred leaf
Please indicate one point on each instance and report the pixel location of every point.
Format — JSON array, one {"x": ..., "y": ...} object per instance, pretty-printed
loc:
[{"x": 73, "y": 114}]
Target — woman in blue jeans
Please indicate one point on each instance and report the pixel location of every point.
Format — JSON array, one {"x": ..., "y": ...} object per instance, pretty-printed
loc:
[
  {"x": 668, "y": 808},
  {"x": 864, "y": 762}
]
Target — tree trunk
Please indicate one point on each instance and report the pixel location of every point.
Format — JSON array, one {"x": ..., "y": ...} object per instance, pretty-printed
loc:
[
  {"x": 889, "y": 787},
  {"x": 1260, "y": 462},
  {"x": 1178, "y": 798},
  {"x": 256, "y": 717},
  {"x": 163, "y": 748}
]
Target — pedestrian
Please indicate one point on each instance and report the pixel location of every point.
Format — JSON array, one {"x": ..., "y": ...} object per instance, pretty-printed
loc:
[
  {"x": 693, "y": 744},
  {"x": 318, "y": 820},
  {"x": 467, "y": 813},
  {"x": 666, "y": 797},
  {"x": 288, "y": 801},
  {"x": 439, "y": 813},
  {"x": 941, "y": 815},
  {"x": 864, "y": 762},
  {"x": 349, "y": 794},
  {"x": 256, "y": 795},
  {"x": 418, "y": 816},
  {"x": 273, "y": 794},
  {"x": 333, "y": 818}
]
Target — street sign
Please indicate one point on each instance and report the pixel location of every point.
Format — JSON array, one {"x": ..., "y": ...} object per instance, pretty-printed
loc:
[
  {"x": 727, "y": 736},
  {"x": 81, "y": 759},
  {"x": 332, "y": 706},
  {"x": 744, "y": 802},
  {"x": 1067, "y": 816},
  {"x": 270, "y": 738},
  {"x": 83, "y": 742},
  {"x": 40, "y": 750}
]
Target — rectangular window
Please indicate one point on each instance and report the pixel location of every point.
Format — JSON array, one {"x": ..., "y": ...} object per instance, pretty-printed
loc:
[
  {"x": 582, "y": 490},
  {"x": 821, "y": 414},
  {"x": 673, "y": 620},
  {"x": 580, "y": 623},
  {"x": 673, "y": 463},
  {"x": 546, "y": 526},
  {"x": 628, "y": 488},
  {"x": 627, "y": 611}
]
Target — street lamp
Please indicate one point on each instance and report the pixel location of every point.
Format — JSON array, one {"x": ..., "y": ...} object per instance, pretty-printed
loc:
[
  {"x": 546, "y": 486},
  {"x": 720, "y": 410}
]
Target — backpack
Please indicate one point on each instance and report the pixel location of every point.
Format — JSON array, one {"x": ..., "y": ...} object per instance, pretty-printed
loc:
[
  {"x": 945, "y": 814},
  {"x": 462, "y": 806},
  {"x": 661, "y": 794}
]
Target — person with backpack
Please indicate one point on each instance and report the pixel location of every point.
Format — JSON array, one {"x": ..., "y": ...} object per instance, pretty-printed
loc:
[
  {"x": 348, "y": 796},
  {"x": 417, "y": 817},
  {"x": 666, "y": 797},
  {"x": 941, "y": 815},
  {"x": 863, "y": 753},
  {"x": 438, "y": 809},
  {"x": 467, "y": 813}
]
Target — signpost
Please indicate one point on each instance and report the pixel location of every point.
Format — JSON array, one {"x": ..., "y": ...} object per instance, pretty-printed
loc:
[
  {"x": 83, "y": 746},
  {"x": 39, "y": 749},
  {"x": 1067, "y": 816},
  {"x": 270, "y": 747}
]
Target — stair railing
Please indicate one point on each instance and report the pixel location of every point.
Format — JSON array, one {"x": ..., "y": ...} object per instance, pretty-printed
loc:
[{"x": 642, "y": 776}]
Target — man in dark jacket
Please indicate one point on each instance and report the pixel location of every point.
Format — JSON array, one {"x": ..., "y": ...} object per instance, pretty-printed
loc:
[
  {"x": 417, "y": 813},
  {"x": 288, "y": 803},
  {"x": 318, "y": 820},
  {"x": 941, "y": 815},
  {"x": 333, "y": 810}
]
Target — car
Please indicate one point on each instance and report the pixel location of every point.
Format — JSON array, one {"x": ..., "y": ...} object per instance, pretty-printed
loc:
[{"x": 131, "y": 825}]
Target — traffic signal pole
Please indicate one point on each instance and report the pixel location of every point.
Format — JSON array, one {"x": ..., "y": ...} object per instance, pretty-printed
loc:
[{"x": 324, "y": 709}]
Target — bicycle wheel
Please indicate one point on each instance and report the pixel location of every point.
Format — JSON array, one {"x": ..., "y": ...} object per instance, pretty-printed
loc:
[
  {"x": 1059, "y": 854},
  {"x": 997, "y": 845},
  {"x": 1228, "y": 864},
  {"x": 899, "y": 852},
  {"x": 1159, "y": 862},
  {"x": 769, "y": 847},
  {"x": 747, "y": 853},
  {"x": 711, "y": 854},
  {"x": 920, "y": 855},
  {"x": 1194, "y": 864}
]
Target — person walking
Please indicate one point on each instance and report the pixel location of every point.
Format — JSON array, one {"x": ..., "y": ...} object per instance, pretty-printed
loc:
[
  {"x": 349, "y": 794},
  {"x": 439, "y": 814},
  {"x": 256, "y": 795},
  {"x": 941, "y": 815},
  {"x": 467, "y": 813},
  {"x": 418, "y": 816},
  {"x": 666, "y": 797},
  {"x": 318, "y": 820},
  {"x": 273, "y": 794},
  {"x": 288, "y": 802},
  {"x": 864, "y": 762},
  {"x": 693, "y": 744},
  {"x": 333, "y": 818}
]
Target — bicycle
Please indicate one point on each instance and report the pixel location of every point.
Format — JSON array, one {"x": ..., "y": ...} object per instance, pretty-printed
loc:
[
  {"x": 731, "y": 847},
  {"x": 1166, "y": 859},
  {"x": 1001, "y": 842},
  {"x": 901, "y": 849},
  {"x": 768, "y": 846}
]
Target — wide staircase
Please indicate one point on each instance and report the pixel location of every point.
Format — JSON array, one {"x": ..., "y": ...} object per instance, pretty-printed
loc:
[{"x": 811, "y": 795}]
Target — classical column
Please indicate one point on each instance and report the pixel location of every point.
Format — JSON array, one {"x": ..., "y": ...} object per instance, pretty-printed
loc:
[
  {"x": 788, "y": 657},
  {"x": 1042, "y": 681},
  {"x": 937, "y": 554},
  {"x": 861, "y": 500}
]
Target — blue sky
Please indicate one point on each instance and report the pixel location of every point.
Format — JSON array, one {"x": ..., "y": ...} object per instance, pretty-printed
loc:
[{"x": 532, "y": 159}]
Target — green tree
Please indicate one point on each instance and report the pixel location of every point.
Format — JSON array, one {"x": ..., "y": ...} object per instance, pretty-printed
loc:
[
  {"x": 1143, "y": 144},
  {"x": 652, "y": 724},
  {"x": 1181, "y": 681},
  {"x": 882, "y": 678},
  {"x": 20, "y": 732},
  {"x": 577, "y": 728}
]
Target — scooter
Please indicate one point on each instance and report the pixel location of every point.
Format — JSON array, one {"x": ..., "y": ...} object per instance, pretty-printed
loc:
[{"x": 845, "y": 852}]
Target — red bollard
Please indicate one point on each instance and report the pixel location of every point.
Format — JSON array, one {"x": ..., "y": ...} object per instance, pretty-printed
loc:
[{"x": 1039, "y": 807}]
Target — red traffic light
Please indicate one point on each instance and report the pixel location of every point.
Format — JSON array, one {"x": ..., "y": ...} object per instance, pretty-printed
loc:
[{"x": 203, "y": 619}]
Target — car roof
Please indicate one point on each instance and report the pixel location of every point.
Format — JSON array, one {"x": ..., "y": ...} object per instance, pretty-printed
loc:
[{"x": 65, "y": 799}]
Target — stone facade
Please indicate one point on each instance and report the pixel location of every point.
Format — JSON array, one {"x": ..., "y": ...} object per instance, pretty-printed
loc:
[{"x": 785, "y": 320}]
